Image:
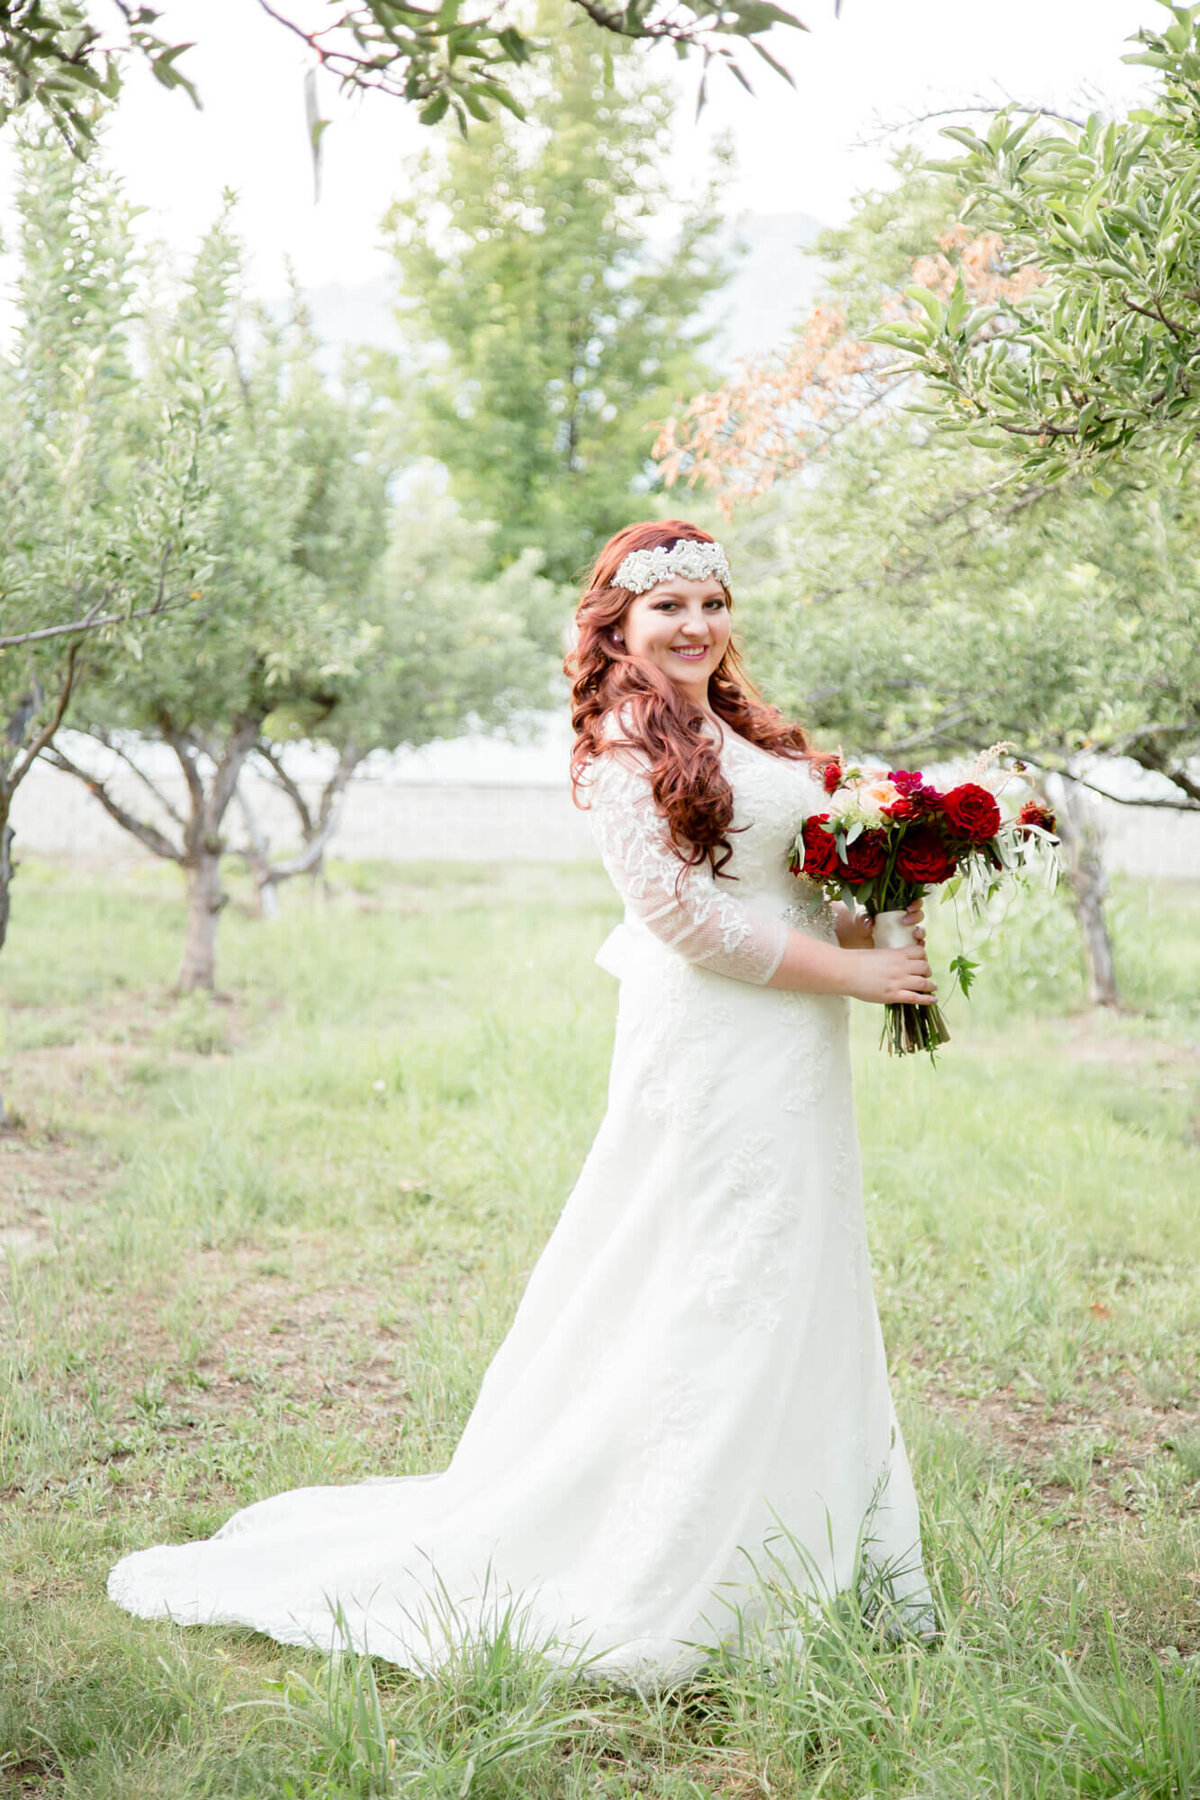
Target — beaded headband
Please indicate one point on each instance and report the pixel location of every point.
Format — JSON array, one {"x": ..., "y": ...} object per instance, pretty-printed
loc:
[{"x": 691, "y": 561}]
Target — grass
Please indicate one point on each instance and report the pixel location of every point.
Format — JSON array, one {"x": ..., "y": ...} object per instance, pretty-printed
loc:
[{"x": 274, "y": 1239}]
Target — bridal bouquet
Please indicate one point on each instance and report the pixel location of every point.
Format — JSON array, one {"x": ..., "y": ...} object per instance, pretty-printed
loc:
[{"x": 888, "y": 837}]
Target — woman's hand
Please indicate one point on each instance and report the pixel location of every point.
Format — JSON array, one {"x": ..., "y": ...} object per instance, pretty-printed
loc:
[
  {"x": 914, "y": 914},
  {"x": 887, "y": 977},
  {"x": 855, "y": 929}
]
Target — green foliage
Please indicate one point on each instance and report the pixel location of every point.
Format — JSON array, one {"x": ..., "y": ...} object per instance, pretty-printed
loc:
[
  {"x": 557, "y": 336},
  {"x": 295, "y": 518},
  {"x": 54, "y": 58},
  {"x": 1095, "y": 367},
  {"x": 911, "y": 599},
  {"x": 450, "y": 649},
  {"x": 104, "y": 495},
  {"x": 920, "y": 616}
]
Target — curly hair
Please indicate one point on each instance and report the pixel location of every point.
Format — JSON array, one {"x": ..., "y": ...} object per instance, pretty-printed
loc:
[{"x": 656, "y": 719}]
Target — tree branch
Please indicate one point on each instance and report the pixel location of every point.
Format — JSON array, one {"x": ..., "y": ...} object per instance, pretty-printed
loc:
[
  {"x": 246, "y": 728},
  {"x": 102, "y": 737},
  {"x": 187, "y": 761},
  {"x": 149, "y": 835},
  {"x": 1149, "y": 756},
  {"x": 1038, "y": 760},
  {"x": 886, "y": 129},
  {"x": 311, "y": 854},
  {"x": 44, "y": 736},
  {"x": 282, "y": 779},
  {"x": 317, "y": 837},
  {"x": 90, "y": 623},
  {"x": 1157, "y": 314},
  {"x": 349, "y": 758}
]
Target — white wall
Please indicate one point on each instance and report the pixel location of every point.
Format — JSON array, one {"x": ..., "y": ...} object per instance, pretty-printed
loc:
[{"x": 462, "y": 821}]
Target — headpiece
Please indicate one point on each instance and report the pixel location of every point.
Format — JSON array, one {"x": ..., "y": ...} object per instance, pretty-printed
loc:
[{"x": 692, "y": 561}]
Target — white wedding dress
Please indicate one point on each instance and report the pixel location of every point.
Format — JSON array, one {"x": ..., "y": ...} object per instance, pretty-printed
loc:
[{"x": 692, "y": 1405}]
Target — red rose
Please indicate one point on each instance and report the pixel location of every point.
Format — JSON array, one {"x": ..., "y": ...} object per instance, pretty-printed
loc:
[
  {"x": 924, "y": 857},
  {"x": 1033, "y": 814},
  {"x": 903, "y": 808},
  {"x": 832, "y": 777},
  {"x": 971, "y": 813},
  {"x": 864, "y": 858},
  {"x": 820, "y": 851}
]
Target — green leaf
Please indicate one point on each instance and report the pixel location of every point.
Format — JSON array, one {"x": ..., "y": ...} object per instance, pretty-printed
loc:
[
  {"x": 968, "y": 139},
  {"x": 514, "y": 44},
  {"x": 772, "y": 62},
  {"x": 751, "y": 16},
  {"x": 929, "y": 301},
  {"x": 964, "y": 972}
]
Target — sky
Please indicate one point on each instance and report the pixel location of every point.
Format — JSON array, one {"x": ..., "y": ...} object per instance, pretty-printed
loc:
[{"x": 807, "y": 150}]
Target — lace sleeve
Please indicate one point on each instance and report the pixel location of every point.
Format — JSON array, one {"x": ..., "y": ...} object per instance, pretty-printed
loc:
[{"x": 684, "y": 908}]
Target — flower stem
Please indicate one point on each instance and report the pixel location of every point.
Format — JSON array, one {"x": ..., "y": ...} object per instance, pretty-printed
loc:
[{"x": 908, "y": 1028}]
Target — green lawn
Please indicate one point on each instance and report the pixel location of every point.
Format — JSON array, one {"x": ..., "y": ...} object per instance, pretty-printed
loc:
[{"x": 274, "y": 1240}]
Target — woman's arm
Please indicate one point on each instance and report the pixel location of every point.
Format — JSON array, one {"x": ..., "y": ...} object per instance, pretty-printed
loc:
[
  {"x": 810, "y": 966},
  {"x": 700, "y": 920}
]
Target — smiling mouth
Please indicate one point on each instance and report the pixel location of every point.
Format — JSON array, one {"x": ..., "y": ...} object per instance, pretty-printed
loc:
[{"x": 690, "y": 652}]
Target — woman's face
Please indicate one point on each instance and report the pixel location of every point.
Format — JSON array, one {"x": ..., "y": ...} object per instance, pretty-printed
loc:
[{"x": 681, "y": 626}]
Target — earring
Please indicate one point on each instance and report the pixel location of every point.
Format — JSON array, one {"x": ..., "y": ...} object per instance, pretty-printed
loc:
[{"x": 618, "y": 637}]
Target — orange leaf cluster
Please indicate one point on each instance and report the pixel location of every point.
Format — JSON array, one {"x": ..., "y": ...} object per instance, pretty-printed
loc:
[
  {"x": 776, "y": 412},
  {"x": 768, "y": 419},
  {"x": 982, "y": 263}
]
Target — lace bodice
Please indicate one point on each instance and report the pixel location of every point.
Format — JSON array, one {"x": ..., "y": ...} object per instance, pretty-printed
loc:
[{"x": 735, "y": 923}]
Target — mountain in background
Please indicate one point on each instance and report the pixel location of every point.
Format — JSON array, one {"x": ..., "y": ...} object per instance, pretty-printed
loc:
[{"x": 773, "y": 285}]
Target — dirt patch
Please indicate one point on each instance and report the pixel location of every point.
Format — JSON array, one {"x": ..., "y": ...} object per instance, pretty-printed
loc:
[
  {"x": 30, "y": 1775},
  {"x": 1175, "y": 1064},
  {"x": 1104, "y": 1443},
  {"x": 39, "y": 1176},
  {"x": 323, "y": 1346},
  {"x": 245, "y": 1336}
]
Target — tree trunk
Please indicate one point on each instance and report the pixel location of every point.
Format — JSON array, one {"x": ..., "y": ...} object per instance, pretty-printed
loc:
[
  {"x": 6, "y": 873},
  {"x": 258, "y": 860},
  {"x": 316, "y": 830},
  {"x": 1087, "y": 878},
  {"x": 203, "y": 842},
  {"x": 206, "y": 897}
]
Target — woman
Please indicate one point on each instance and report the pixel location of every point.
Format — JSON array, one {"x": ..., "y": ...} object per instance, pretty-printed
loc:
[{"x": 692, "y": 1402}]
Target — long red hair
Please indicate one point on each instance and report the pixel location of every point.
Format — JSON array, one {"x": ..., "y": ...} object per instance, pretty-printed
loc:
[{"x": 657, "y": 718}]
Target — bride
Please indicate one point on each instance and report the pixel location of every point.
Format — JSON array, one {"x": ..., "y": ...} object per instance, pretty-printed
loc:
[{"x": 690, "y": 1415}]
